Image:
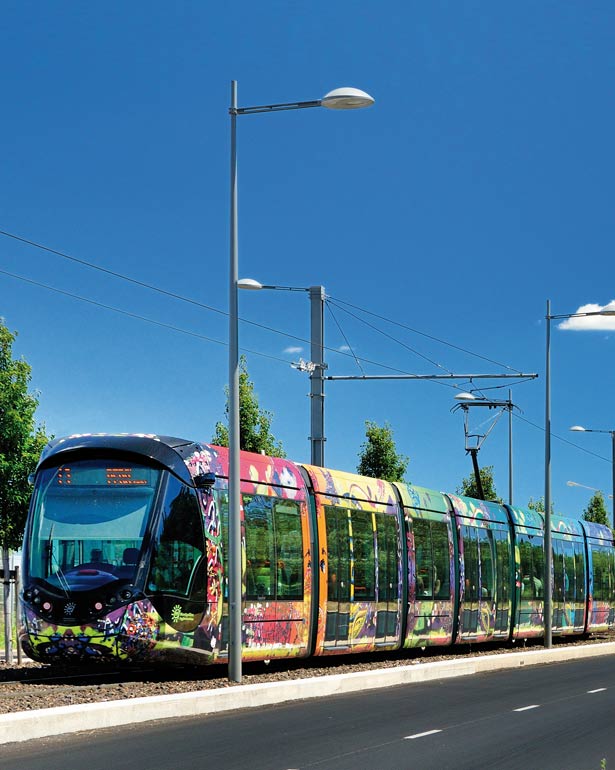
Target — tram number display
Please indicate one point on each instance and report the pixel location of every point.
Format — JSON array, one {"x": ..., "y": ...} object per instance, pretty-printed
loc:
[{"x": 111, "y": 477}]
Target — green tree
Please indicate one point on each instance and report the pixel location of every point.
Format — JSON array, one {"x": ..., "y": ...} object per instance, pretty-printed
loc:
[
  {"x": 539, "y": 505},
  {"x": 596, "y": 510},
  {"x": 469, "y": 489},
  {"x": 254, "y": 422},
  {"x": 379, "y": 458},
  {"x": 21, "y": 441}
]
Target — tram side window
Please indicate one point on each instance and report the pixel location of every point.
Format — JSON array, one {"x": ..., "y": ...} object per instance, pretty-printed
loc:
[
  {"x": 558, "y": 568},
  {"x": 289, "y": 549},
  {"x": 387, "y": 557},
  {"x": 338, "y": 554},
  {"x": 177, "y": 560},
  {"x": 579, "y": 567},
  {"x": 532, "y": 560},
  {"x": 432, "y": 559},
  {"x": 602, "y": 569},
  {"x": 441, "y": 571},
  {"x": 423, "y": 557},
  {"x": 570, "y": 588},
  {"x": 260, "y": 551},
  {"x": 363, "y": 556},
  {"x": 502, "y": 549},
  {"x": 470, "y": 558},
  {"x": 486, "y": 563}
]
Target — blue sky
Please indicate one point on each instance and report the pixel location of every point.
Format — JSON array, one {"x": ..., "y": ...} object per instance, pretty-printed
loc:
[{"x": 478, "y": 186}]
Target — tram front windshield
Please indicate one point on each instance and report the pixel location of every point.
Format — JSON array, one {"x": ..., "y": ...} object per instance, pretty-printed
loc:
[{"x": 88, "y": 522}]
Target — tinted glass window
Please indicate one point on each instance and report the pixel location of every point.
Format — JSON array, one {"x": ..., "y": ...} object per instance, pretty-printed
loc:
[
  {"x": 363, "y": 555},
  {"x": 178, "y": 564},
  {"x": 89, "y": 519},
  {"x": 579, "y": 566},
  {"x": 424, "y": 558},
  {"x": 289, "y": 549},
  {"x": 532, "y": 566},
  {"x": 387, "y": 557},
  {"x": 486, "y": 564},
  {"x": 502, "y": 549},
  {"x": 570, "y": 590},
  {"x": 441, "y": 565},
  {"x": 338, "y": 549},
  {"x": 470, "y": 557},
  {"x": 602, "y": 567},
  {"x": 260, "y": 550}
]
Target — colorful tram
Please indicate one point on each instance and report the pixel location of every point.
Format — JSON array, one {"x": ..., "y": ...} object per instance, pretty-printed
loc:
[{"x": 125, "y": 559}]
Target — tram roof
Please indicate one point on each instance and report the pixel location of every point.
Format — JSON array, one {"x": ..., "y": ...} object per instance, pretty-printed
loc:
[{"x": 166, "y": 450}]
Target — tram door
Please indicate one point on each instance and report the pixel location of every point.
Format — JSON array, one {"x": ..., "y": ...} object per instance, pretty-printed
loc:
[
  {"x": 477, "y": 617},
  {"x": 338, "y": 577},
  {"x": 387, "y": 534}
]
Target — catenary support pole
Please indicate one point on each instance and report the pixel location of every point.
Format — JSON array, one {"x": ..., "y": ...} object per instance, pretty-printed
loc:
[{"x": 317, "y": 381}]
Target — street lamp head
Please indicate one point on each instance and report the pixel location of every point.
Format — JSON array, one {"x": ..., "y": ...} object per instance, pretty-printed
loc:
[
  {"x": 346, "y": 99},
  {"x": 578, "y": 428},
  {"x": 249, "y": 283},
  {"x": 465, "y": 397}
]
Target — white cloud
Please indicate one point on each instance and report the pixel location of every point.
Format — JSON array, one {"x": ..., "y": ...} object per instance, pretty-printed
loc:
[
  {"x": 293, "y": 350},
  {"x": 591, "y": 323},
  {"x": 344, "y": 349}
]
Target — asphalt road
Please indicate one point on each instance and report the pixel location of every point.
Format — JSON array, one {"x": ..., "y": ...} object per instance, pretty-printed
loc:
[{"x": 559, "y": 716}]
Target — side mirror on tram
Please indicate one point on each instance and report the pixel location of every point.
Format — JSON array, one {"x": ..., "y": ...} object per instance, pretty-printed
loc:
[{"x": 204, "y": 480}]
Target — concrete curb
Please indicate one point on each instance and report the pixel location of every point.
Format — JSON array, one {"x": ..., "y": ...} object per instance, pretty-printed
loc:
[{"x": 24, "y": 726}]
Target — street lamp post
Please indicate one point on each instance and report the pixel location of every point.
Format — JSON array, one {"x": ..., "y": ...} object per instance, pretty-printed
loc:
[
  {"x": 316, "y": 365},
  {"x": 547, "y": 544},
  {"x": 584, "y": 486},
  {"x": 581, "y": 429},
  {"x": 338, "y": 99}
]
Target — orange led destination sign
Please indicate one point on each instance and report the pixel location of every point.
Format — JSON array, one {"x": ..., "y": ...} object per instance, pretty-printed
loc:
[
  {"x": 64, "y": 476},
  {"x": 123, "y": 477}
]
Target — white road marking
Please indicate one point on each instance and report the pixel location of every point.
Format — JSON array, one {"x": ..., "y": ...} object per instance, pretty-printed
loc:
[
  {"x": 527, "y": 708},
  {"x": 600, "y": 689},
  {"x": 421, "y": 735}
]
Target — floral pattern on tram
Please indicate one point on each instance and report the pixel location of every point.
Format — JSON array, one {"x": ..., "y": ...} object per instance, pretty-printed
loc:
[
  {"x": 355, "y": 491},
  {"x": 128, "y": 633},
  {"x": 258, "y": 472},
  {"x": 278, "y": 628}
]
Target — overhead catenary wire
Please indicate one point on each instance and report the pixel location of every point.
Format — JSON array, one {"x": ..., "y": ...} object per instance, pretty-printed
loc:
[
  {"x": 134, "y": 315},
  {"x": 341, "y": 331},
  {"x": 179, "y": 329},
  {"x": 174, "y": 295},
  {"x": 390, "y": 336},
  {"x": 423, "y": 334},
  {"x": 561, "y": 438}
]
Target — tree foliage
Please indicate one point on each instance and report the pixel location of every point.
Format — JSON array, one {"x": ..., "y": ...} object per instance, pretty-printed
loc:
[
  {"x": 254, "y": 422},
  {"x": 21, "y": 441},
  {"x": 596, "y": 510},
  {"x": 468, "y": 486},
  {"x": 379, "y": 458},
  {"x": 539, "y": 505}
]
